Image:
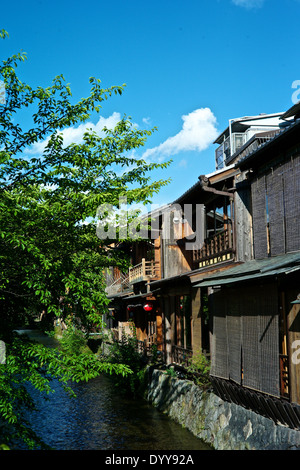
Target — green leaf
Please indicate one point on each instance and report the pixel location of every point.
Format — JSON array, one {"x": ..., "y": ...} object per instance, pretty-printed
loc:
[{"x": 50, "y": 261}]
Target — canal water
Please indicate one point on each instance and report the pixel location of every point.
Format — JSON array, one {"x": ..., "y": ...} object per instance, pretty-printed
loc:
[{"x": 101, "y": 418}]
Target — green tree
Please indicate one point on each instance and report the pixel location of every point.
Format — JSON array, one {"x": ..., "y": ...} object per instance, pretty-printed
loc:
[{"x": 51, "y": 260}]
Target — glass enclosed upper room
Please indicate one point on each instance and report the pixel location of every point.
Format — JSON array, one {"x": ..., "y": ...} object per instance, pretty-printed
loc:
[{"x": 241, "y": 132}]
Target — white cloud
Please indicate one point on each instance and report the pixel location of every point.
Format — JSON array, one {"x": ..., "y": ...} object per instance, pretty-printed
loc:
[
  {"x": 249, "y": 3},
  {"x": 75, "y": 134},
  {"x": 197, "y": 133},
  {"x": 182, "y": 163},
  {"x": 147, "y": 121}
]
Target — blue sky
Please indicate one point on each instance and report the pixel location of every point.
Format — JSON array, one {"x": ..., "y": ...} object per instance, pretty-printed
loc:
[{"x": 189, "y": 66}]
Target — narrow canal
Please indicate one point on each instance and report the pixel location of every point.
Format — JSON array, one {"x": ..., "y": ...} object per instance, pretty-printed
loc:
[{"x": 101, "y": 418}]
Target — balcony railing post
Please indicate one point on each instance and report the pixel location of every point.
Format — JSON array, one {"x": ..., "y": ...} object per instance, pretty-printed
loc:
[
  {"x": 143, "y": 271},
  {"x": 181, "y": 356},
  {"x": 143, "y": 267},
  {"x": 219, "y": 244}
]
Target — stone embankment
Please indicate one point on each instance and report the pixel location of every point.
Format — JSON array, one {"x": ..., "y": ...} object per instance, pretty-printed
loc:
[{"x": 223, "y": 425}]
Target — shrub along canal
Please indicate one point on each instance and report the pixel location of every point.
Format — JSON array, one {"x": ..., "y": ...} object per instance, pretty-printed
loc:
[{"x": 102, "y": 418}]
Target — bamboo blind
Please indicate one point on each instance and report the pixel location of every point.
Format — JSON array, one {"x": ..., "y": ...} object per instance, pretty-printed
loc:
[
  {"x": 219, "y": 361},
  {"x": 234, "y": 338},
  {"x": 245, "y": 337}
]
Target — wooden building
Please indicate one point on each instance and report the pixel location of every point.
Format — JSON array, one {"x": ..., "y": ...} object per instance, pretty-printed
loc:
[
  {"x": 254, "y": 306},
  {"x": 222, "y": 271},
  {"x": 131, "y": 301}
]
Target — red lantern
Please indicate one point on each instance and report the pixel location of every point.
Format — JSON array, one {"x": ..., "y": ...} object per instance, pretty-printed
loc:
[{"x": 148, "y": 307}]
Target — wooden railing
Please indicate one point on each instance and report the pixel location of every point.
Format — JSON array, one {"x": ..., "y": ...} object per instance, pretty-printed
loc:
[
  {"x": 181, "y": 356},
  {"x": 146, "y": 270},
  {"x": 255, "y": 142},
  {"x": 216, "y": 246},
  {"x": 280, "y": 411},
  {"x": 145, "y": 347},
  {"x": 284, "y": 375}
]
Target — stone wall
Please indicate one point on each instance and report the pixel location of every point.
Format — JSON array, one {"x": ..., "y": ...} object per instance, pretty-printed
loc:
[{"x": 223, "y": 425}]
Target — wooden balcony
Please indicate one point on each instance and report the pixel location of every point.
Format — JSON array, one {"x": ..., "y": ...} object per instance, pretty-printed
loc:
[
  {"x": 144, "y": 271},
  {"x": 215, "y": 249}
]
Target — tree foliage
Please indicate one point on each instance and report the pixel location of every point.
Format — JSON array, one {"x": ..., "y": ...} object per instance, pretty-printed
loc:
[
  {"x": 50, "y": 259},
  {"x": 31, "y": 364}
]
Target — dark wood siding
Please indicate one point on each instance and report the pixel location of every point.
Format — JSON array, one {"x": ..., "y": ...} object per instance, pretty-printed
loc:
[
  {"x": 275, "y": 194},
  {"x": 258, "y": 190},
  {"x": 276, "y": 201},
  {"x": 292, "y": 205}
]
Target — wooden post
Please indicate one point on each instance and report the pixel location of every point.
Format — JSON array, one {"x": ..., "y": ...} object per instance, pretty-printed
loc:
[
  {"x": 143, "y": 268},
  {"x": 168, "y": 302},
  {"x": 159, "y": 329},
  {"x": 157, "y": 257},
  {"x": 293, "y": 323},
  {"x": 196, "y": 320}
]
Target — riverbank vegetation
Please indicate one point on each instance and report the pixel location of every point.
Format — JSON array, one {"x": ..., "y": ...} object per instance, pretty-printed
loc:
[
  {"x": 199, "y": 368},
  {"x": 126, "y": 352},
  {"x": 52, "y": 260}
]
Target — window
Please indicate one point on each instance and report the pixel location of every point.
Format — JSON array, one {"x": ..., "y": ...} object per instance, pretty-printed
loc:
[{"x": 225, "y": 150}]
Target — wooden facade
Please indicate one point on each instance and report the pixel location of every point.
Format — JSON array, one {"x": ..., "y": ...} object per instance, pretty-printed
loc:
[
  {"x": 223, "y": 275},
  {"x": 254, "y": 307}
]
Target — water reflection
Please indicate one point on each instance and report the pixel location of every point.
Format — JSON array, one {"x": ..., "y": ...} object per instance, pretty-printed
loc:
[{"x": 101, "y": 419}]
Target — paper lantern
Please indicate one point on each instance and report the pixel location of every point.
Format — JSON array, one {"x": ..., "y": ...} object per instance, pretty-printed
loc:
[{"x": 148, "y": 307}]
